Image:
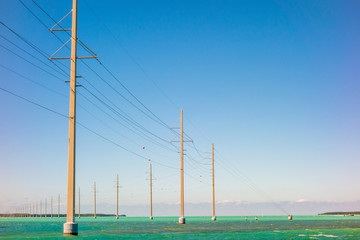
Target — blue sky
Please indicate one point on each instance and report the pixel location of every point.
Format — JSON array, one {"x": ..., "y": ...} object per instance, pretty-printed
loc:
[{"x": 274, "y": 84}]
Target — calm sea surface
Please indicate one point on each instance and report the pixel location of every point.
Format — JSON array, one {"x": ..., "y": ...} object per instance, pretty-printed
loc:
[{"x": 267, "y": 227}]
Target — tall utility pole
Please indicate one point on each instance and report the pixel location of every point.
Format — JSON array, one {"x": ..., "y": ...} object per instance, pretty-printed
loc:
[
  {"x": 79, "y": 203},
  {"x": 182, "y": 218},
  {"x": 70, "y": 227},
  {"x": 117, "y": 196},
  {"x": 58, "y": 205},
  {"x": 213, "y": 184},
  {"x": 94, "y": 199},
  {"x": 151, "y": 215},
  {"x": 51, "y": 206}
]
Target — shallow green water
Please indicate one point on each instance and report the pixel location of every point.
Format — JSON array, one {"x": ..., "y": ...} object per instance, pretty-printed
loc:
[{"x": 267, "y": 227}]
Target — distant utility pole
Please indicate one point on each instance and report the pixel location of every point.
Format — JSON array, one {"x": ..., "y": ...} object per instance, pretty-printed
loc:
[
  {"x": 79, "y": 203},
  {"x": 213, "y": 185},
  {"x": 151, "y": 215},
  {"x": 58, "y": 205},
  {"x": 117, "y": 196},
  {"x": 182, "y": 218},
  {"x": 94, "y": 199}
]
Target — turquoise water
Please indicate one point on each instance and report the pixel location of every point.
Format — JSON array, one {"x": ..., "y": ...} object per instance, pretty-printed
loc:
[{"x": 267, "y": 227}]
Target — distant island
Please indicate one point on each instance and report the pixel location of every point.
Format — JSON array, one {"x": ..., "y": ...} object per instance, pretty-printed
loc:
[
  {"x": 55, "y": 215},
  {"x": 341, "y": 213}
]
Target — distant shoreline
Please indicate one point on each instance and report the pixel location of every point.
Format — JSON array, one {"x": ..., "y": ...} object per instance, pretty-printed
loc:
[
  {"x": 56, "y": 215},
  {"x": 341, "y": 213}
]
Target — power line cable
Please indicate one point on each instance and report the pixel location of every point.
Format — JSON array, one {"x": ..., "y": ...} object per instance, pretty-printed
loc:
[
  {"x": 82, "y": 125},
  {"x": 62, "y": 72},
  {"x": 131, "y": 57},
  {"x": 27, "y": 78},
  {"x": 31, "y": 62}
]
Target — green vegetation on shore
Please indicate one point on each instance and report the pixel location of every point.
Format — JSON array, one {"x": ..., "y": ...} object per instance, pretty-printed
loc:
[{"x": 341, "y": 213}]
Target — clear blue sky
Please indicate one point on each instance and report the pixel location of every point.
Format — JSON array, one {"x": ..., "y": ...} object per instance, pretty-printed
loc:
[{"x": 274, "y": 84}]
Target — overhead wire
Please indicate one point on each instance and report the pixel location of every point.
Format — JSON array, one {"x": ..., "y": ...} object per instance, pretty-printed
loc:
[
  {"x": 28, "y": 42},
  {"x": 138, "y": 125},
  {"x": 33, "y": 56},
  {"x": 158, "y": 119},
  {"x": 138, "y": 100},
  {"x": 130, "y": 56},
  {"x": 82, "y": 125}
]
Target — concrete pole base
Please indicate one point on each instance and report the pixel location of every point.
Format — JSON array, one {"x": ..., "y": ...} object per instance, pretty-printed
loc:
[
  {"x": 70, "y": 228},
  {"x": 182, "y": 220},
  {"x": 151, "y": 218},
  {"x": 213, "y": 218}
]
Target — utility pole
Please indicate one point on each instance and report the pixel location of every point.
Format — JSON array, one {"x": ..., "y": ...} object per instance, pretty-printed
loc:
[
  {"x": 79, "y": 203},
  {"x": 117, "y": 196},
  {"x": 182, "y": 218},
  {"x": 58, "y": 205},
  {"x": 151, "y": 215},
  {"x": 94, "y": 199},
  {"x": 213, "y": 185},
  {"x": 51, "y": 206},
  {"x": 71, "y": 227}
]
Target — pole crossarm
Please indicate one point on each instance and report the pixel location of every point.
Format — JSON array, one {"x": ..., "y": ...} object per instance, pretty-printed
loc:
[
  {"x": 52, "y": 29},
  {"x": 51, "y": 57}
]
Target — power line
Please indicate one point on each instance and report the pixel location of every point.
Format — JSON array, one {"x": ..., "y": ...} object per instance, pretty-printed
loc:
[
  {"x": 158, "y": 119},
  {"x": 38, "y": 59},
  {"x": 34, "y": 103},
  {"x": 31, "y": 62},
  {"x": 131, "y": 57},
  {"x": 28, "y": 79},
  {"x": 82, "y": 125},
  {"x": 37, "y": 49},
  {"x": 113, "y": 110}
]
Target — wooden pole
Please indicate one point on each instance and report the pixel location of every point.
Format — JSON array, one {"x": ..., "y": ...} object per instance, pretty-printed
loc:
[
  {"x": 79, "y": 203},
  {"x": 151, "y": 213},
  {"x": 58, "y": 205},
  {"x": 70, "y": 227},
  {"x": 94, "y": 199},
  {"x": 213, "y": 185},
  {"x": 117, "y": 196},
  {"x": 182, "y": 218}
]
